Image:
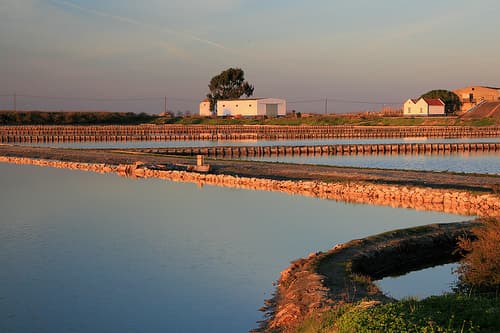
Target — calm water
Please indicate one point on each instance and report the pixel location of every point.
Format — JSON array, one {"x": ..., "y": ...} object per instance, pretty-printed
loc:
[
  {"x": 216, "y": 143},
  {"x": 469, "y": 162},
  {"x": 84, "y": 252},
  {"x": 436, "y": 278}
]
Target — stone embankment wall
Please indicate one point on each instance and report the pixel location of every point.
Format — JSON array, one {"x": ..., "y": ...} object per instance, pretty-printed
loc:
[
  {"x": 48, "y": 133},
  {"x": 421, "y": 198},
  {"x": 93, "y": 167},
  {"x": 325, "y": 150}
]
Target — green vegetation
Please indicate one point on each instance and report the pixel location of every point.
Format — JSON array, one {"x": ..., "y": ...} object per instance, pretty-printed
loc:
[
  {"x": 482, "y": 122},
  {"x": 334, "y": 120},
  {"x": 447, "y": 314},
  {"x": 130, "y": 118},
  {"x": 73, "y": 118},
  {"x": 474, "y": 307},
  {"x": 450, "y": 99},
  {"x": 229, "y": 84}
]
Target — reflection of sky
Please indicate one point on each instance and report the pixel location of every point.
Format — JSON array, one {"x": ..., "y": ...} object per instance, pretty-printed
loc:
[
  {"x": 437, "y": 278},
  {"x": 88, "y": 252},
  {"x": 469, "y": 162}
]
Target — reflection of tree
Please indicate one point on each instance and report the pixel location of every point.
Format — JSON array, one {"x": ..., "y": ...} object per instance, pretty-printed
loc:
[{"x": 480, "y": 268}]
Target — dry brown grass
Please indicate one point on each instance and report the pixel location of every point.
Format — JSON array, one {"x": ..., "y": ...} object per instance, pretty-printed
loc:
[{"x": 481, "y": 265}]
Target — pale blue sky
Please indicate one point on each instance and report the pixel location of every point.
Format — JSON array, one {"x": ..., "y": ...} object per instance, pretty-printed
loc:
[{"x": 362, "y": 50}]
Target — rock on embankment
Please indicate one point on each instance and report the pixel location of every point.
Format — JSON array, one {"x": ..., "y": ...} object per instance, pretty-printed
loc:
[{"x": 421, "y": 198}]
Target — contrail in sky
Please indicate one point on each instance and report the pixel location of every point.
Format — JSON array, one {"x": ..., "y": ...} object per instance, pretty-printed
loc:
[{"x": 137, "y": 23}]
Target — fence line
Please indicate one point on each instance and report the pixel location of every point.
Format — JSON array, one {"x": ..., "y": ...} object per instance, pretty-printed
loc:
[{"x": 54, "y": 133}]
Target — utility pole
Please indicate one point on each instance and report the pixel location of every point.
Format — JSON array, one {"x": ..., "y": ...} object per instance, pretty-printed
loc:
[
  {"x": 165, "y": 105},
  {"x": 15, "y": 102},
  {"x": 326, "y": 105}
]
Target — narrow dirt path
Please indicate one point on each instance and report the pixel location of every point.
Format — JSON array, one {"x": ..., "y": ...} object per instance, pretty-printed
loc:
[{"x": 277, "y": 171}]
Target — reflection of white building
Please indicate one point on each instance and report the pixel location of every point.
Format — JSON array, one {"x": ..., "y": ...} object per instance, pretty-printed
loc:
[
  {"x": 270, "y": 107},
  {"x": 424, "y": 107},
  {"x": 205, "y": 108}
]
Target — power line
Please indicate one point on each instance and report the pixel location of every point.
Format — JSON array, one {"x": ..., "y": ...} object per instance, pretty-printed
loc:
[
  {"x": 337, "y": 100},
  {"x": 360, "y": 102},
  {"x": 93, "y": 99},
  {"x": 145, "y": 98},
  {"x": 305, "y": 101},
  {"x": 101, "y": 99}
]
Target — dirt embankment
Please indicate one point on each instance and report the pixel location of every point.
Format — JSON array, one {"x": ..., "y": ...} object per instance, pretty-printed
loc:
[
  {"x": 432, "y": 191},
  {"x": 344, "y": 274},
  {"x": 274, "y": 171}
]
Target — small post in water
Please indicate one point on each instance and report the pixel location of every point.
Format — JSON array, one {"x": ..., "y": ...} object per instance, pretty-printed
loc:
[{"x": 200, "y": 161}]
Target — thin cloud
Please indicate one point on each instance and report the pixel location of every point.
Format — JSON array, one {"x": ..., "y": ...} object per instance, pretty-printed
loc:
[
  {"x": 131, "y": 21},
  {"x": 422, "y": 28}
]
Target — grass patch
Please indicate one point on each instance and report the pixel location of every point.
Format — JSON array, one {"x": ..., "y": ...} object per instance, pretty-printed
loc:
[
  {"x": 447, "y": 314},
  {"x": 129, "y": 118},
  {"x": 478, "y": 122},
  {"x": 333, "y": 120}
]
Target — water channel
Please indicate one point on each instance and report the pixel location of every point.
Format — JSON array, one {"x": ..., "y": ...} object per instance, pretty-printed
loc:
[
  {"x": 469, "y": 162},
  {"x": 85, "y": 252}
]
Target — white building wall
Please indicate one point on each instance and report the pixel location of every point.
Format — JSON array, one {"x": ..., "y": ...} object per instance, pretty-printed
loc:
[
  {"x": 205, "y": 109},
  {"x": 262, "y": 106},
  {"x": 237, "y": 107},
  {"x": 436, "y": 110},
  {"x": 409, "y": 108},
  {"x": 422, "y": 108},
  {"x": 249, "y": 107}
]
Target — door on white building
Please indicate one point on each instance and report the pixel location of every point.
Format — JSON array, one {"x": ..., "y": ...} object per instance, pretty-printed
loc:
[{"x": 272, "y": 110}]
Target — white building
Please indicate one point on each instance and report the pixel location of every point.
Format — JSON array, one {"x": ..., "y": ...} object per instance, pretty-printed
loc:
[
  {"x": 205, "y": 108},
  {"x": 270, "y": 107},
  {"x": 424, "y": 107}
]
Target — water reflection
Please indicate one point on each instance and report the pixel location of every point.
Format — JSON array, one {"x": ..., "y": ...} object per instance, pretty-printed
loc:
[
  {"x": 468, "y": 162},
  {"x": 439, "y": 279},
  {"x": 84, "y": 252}
]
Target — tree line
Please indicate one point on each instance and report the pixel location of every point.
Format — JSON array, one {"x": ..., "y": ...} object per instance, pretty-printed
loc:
[{"x": 73, "y": 118}]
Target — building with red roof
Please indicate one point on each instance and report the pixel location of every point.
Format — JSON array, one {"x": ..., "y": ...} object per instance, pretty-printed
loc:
[{"x": 424, "y": 107}]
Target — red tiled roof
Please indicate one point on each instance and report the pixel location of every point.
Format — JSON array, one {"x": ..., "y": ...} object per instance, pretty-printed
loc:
[{"x": 434, "y": 101}]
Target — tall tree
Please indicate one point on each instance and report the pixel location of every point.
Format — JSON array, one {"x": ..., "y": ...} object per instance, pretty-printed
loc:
[
  {"x": 450, "y": 99},
  {"x": 229, "y": 84}
]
